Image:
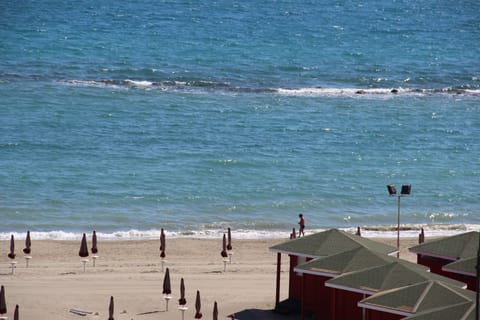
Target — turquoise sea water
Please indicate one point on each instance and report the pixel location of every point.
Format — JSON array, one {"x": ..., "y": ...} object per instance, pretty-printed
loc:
[{"x": 197, "y": 115}]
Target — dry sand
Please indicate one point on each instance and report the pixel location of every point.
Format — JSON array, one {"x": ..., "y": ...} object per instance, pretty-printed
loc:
[{"x": 131, "y": 272}]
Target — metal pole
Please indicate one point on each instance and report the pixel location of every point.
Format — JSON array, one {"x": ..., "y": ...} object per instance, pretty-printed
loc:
[
  {"x": 477, "y": 307},
  {"x": 398, "y": 228},
  {"x": 277, "y": 291}
]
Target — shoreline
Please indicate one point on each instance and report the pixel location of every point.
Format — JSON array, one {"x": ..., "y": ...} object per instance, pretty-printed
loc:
[
  {"x": 371, "y": 231},
  {"x": 131, "y": 272}
]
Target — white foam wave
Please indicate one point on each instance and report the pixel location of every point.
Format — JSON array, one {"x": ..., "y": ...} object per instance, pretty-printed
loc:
[
  {"x": 92, "y": 83},
  {"x": 386, "y": 92},
  {"x": 136, "y": 83},
  {"x": 199, "y": 86},
  {"x": 384, "y": 231},
  {"x": 342, "y": 91}
]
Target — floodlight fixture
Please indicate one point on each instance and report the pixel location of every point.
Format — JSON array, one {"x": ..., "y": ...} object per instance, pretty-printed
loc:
[
  {"x": 406, "y": 189},
  {"x": 391, "y": 189}
]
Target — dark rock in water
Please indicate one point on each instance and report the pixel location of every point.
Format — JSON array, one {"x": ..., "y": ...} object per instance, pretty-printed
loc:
[
  {"x": 394, "y": 91},
  {"x": 360, "y": 92}
]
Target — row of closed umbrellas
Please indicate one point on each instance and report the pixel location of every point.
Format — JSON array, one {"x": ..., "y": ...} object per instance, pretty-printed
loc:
[
  {"x": 167, "y": 291},
  {"x": 26, "y": 250},
  {"x": 3, "y": 305},
  {"x": 83, "y": 252}
]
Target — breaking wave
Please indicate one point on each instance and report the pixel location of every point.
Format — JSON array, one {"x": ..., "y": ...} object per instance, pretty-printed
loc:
[
  {"x": 200, "y": 85},
  {"x": 380, "y": 231}
]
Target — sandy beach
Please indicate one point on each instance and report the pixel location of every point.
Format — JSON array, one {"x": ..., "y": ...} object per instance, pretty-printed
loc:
[{"x": 131, "y": 272}]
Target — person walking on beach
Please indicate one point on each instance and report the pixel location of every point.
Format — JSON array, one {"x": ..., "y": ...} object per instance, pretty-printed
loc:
[{"x": 302, "y": 225}]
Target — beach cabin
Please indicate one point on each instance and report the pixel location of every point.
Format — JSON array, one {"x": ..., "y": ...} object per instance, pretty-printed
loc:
[
  {"x": 464, "y": 270},
  {"x": 325, "y": 302},
  {"x": 430, "y": 299},
  {"x": 354, "y": 286},
  {"x": 322, "y": 244},
  {"x": 437, "y": 254}
]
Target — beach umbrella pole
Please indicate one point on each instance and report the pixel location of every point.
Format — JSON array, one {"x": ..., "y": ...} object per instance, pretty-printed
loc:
[
  {"x": 167, "y": 298},
  {"x": 84, "y": 262},
  {"x": 13, "y": 264},
  {"x": 27, "y": 260},
  {"x": 183, "y": 309},
  {"x": 225, "y": 265}
]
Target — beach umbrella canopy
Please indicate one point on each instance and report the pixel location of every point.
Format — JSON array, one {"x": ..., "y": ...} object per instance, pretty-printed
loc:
[
  {"x": 11, "y": 255},
  {"x": 15, "y": 314},
  {"x": 198, "y": 306},
  {"x": 224, "y": 247},
  {"x": 162, "y": 244},
  {"x": 94, "y": 242},
  {"x": 3, "y": 304},
  {"x": 83, "y": 247},
  {"x": 182, "y": 301},
  {"x": 229, "y": 243},
  {"x": 28, "y": 244},
  {"x": 215, "y": 311},
  {"x": 110, "y": 309},
  {"x": 166, "y": 283}
]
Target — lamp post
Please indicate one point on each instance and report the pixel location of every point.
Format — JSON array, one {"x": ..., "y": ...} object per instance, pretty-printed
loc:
[
  {"x": 477, "y": 303},
  {"x": 406, "y": 189}
]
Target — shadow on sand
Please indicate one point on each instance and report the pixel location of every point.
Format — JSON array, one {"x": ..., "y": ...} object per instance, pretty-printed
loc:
[
  {"x": 288, "y": 309},
  {"x": 250, "y": 314}
]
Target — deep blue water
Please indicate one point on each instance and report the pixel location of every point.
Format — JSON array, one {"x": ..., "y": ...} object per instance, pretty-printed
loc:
[{"x": 197, "y": 115}]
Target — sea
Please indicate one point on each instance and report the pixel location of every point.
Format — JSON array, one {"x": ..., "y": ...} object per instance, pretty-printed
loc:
[{"x": 126, "y": 117}]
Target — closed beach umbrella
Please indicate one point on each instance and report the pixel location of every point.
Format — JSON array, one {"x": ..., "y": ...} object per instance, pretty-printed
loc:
[
  {"x": 28, "y": 244},
  {"x": 229, "y": 243},
  {"x": 198, "y": 306},
  {"x": 166, "y": 283},
  {"x": 94, "y": 242},
  {"x": 11, "y": 255},
  {"x": 162, "y": 244},
  {"x": 15, "y": 314},
  {"x": 110, "y": 309},
  {"x": 83, "y": 247},
  {"x": 3, "y": 304},
  {"x": 182, "y": 301},
  {"x": 224, "y": 247},
  {"x": 215, "y": 311}
]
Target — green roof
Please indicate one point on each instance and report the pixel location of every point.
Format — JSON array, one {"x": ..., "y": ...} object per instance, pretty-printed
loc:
[
  {"x": 420, "y": 297},
  {"x": 465, "y": 266},
  {"x": 329, "y": 242},
  {"x": 346, "y": 261},
  {"x": 395, "y": 274},
  {"x": 461, "y": 311},
  {"x": 463, "y": 245}
]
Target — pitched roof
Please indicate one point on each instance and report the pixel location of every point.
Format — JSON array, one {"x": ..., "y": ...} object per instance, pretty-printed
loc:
[
  {"x": 346, "y": 261},
  {"x": 420, "y": 297},
  {"x": 461, "y": 311},
  {"x": 465, "y": 266},
  {"x": 451, "y": 248},
  {"x": 329, "y": 242},
  {"x": 395, "y": 274}
]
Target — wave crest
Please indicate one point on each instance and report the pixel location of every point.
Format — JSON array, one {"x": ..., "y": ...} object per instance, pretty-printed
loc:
[
  {"x": 195, "y": 85},
  {"x": 214, "y": 232}
]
